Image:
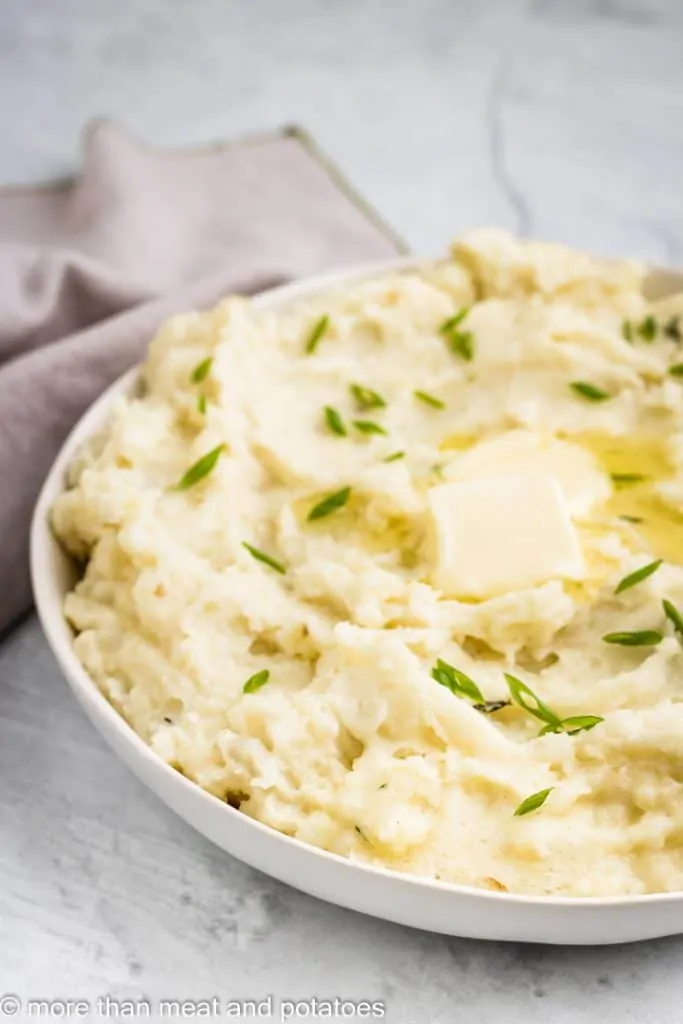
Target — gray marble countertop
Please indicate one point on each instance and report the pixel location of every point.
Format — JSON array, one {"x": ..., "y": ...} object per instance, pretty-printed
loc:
[{"x": 560, "y": 118}]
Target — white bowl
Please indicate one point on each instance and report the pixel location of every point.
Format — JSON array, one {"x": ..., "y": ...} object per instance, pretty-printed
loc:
[{"x": 422, "y": 903}]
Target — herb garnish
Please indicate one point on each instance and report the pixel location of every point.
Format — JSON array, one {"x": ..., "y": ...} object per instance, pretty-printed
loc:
[
  {"x": 638, "y": 576},
  {"x": 428, "y": 399},
  {"x": 461, "y": 343},
  {"x": 395, "y": 457},
  {"x": 632, "y": 519},
  {"x": 366, "y": 398},
  {"x": 676, "y": 370},
  {"x": 463, "y": 686},
  {"x": 527, "y": 699},
  {"x": 672, "y": 328},
  {"x": 642, "y": 638},
  {"x": 200, "y": 469},
  {"x": 674, "y": 616},
  {"x": 627, "y": 478},
  {"x": 329, "y": 504},
  {"x": 574, "y": 724},
  {"x": 589, "y": 391},
  {"x": 647, "y": 328},
  {"x": 457, "y": 682},
  {"x": 448, "y": 326},
  {"x": 201, "y": 370},
  {"x": 261, "y": 556},
  {"x": 317, "y": 331},
  {"x": 256, "y": 681},
  {"x": 533, "y": 802},
  {"x": 334, "y": 421},
  {"x": 201, "y": 405},
  {"x": 490, "y": 706},
  {"x": 369, "y": 427}
]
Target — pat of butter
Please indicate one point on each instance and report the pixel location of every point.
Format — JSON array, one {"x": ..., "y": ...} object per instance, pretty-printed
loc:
[
  {"x": 500, "y": 534},
  {"x": 524, "y": 451}
]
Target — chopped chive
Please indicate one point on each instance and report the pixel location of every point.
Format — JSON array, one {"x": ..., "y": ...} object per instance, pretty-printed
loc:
[
  {"x": 627, "y": 478},
  {"x": 627, "y": 330},
  {"x": 369, "y": 427},
  {"x": 574, "y": 724},
  {"x": 261, "y": 556},
  {"x": 256, "y": 681},
  {"x": 317, "y": 331},
  {"x": 647, "y": 328},
  {"x": 632, "y": 519},
  {"x": 527, "y": 699},
  {"x": 457, "y": 682},
  {"x": 428, "y": 399},
  {"x": 643, "y": 638},
  {"x": 200, "y": 469},
  {"x": 395, "y": 457},
  {"x": 674, "y": 616},
  {"x": 201, "y": 404},
  {"x": 449, "y": 325},
  {"x": 491, "y": 706},
  {"x": 533, "y": 802},
  {"x": 638, "y": 576},
  {"x": 589, "y": 391},
  {"x": 201, "y": 370},
  {"x": 676, "y": 370},
  {"x": 334, "y": 421},
  {"x": 329, "y": 504},
  {"x": 581, "y": 723},
  {"x": 672, "y": 328},
  {"x": 461, "y": 343},
  {"x": 361, "y": 833},
  {"x": 366, "y": 398}
]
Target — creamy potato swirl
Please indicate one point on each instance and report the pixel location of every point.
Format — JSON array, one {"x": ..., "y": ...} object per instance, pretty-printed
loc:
[{"x": 267, "y": 597}]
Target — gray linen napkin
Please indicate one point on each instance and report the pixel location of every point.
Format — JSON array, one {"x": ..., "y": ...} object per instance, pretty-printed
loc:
[{"x": 89, "y": 269}]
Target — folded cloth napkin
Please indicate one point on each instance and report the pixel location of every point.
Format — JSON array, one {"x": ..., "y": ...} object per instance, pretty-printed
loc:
[{"x": 90, "y": 268}]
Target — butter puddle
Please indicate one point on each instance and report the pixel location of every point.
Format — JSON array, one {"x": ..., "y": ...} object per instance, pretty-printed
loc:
[
  {"x": 401, "y": 536},
  {"x": 458, "y": 442},
  {"x": 644, "y": 457},
  {"x": 659, "y": 524},
  {"x": 633, "y": 502}
]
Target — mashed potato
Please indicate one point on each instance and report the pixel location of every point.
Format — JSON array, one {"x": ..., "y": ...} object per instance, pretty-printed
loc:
[{"x": 278, "y": 536}]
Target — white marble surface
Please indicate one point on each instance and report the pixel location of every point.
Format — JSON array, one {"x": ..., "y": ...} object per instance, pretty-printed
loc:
[{"x": 558, "y": 117}]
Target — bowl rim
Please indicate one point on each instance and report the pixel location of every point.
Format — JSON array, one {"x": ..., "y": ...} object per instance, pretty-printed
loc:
[{"x": 49, "y": 597}]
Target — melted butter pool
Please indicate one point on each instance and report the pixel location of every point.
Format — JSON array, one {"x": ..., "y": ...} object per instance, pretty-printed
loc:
[
  {"x": 397, "y": 535},
  {"x": 642, "y": 456},
  {"x": 458, "y": 442},
  {"x": 645, "y": 458},
  {"x": 640, "y": 460}
]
